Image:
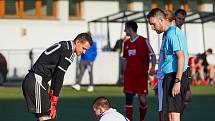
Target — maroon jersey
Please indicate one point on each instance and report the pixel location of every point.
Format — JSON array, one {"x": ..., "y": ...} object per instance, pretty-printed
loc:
[{"x": 136, "y": 54}]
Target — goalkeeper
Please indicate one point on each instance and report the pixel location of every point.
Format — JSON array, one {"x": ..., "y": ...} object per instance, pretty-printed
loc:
[{"x": 51, "y": 65}]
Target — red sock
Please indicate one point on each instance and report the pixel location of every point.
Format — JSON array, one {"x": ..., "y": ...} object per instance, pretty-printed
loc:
[
  {"x": 129, "y": 112},
  {"x": 143, "y": 111},
  {"x": 160, "y": 116}
]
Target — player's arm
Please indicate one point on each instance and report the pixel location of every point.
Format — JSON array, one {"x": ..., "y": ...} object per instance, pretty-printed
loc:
[
  {"x": 176, "y": 44},
  {"x": 94, "y": 53},
  {"x": 57, "y": 80},
  {"x": 58, "y": 76},
  {"x": 56, "y": 85},
  {"x": 152, "y": 56},
  {"x": 180, "y": 64},
  {"x": 153, "y": 62},
  {"x": 180, "y": 69},
  {"x": 95, "y": 49},
  {"x": 124, "y": 53}
]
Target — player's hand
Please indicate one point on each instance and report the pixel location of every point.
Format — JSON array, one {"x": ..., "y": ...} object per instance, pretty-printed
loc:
[
  {"x": 176, "y": 89},
  {"x": 53, "y": 112}
]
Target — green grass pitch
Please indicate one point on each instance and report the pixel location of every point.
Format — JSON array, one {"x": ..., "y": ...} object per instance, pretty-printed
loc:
[{"x": 76, "y": 106}]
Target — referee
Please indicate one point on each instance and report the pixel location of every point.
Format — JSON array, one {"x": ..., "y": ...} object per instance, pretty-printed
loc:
[{"x": 174, "y": 66}]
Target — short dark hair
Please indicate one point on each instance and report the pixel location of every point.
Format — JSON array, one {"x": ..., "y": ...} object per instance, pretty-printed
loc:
[
  {"x": 85, "y": 37},
  {"x": 102, "y": 101},
  {"x": 170, "y": 16},
  {"x": 181, "y": 11},
  {"x": 156, "y": 12},
  {"x": 132, "y": 24},
  {"x": 209, "y": 50}
]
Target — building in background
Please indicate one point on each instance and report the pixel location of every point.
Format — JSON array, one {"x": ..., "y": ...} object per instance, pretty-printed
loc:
[{"x": 35, "y": 24}]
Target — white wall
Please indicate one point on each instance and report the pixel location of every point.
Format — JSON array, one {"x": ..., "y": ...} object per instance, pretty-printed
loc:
[
  {"x": 209, "y": 35},
  {"x": 208, "y": 7},
  {"x": 105, "y": 70},
  {"x": 43, "y": 33},
  {"x": 193, "y": 33},
  {"x": 63, "y": 10},
  {"x": 105, "y": 67},
  {"x": 194, "y": 38},
  {"x": 39, "y": 34},
  {"x": 96, "y": 9},
  {"x": 137, "y": 6}
]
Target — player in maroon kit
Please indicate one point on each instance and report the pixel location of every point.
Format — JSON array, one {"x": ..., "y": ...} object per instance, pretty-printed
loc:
[{"x": 137, "y": 52}]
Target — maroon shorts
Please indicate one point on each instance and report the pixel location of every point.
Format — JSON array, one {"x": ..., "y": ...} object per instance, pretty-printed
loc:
[{"x": 137, "y": 84}]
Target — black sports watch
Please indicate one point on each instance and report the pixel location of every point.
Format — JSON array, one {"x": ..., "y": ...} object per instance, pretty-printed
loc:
[{"x": 177, "y": 80}]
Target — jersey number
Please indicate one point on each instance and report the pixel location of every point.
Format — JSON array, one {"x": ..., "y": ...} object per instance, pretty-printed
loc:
[{"x": 52, "y": 48}]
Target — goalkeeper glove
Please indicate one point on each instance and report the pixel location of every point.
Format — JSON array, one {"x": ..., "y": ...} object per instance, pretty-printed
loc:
[
  {"x": 53, "y": 112},
  {"x": 51, "y": 93}
]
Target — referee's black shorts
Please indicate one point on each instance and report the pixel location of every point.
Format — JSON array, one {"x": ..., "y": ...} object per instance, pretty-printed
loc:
[
  {"x": 170, "y": 103},
  {"x": 36, "y": 94}
]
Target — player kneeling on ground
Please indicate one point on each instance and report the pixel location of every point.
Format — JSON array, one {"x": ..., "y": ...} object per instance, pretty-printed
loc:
[{"x": 104, "y": 112}]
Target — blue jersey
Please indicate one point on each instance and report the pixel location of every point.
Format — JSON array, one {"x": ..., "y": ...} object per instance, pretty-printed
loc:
[
  {"x": 174, "y": 40},
  {"x": 90, "y": 54}
]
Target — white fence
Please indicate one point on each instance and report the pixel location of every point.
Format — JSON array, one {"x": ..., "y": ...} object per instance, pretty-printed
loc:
[{"x": 106, "y": 66}]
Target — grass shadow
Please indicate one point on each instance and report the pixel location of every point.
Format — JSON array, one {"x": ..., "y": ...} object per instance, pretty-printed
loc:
[{"x": 79, "y": 109}]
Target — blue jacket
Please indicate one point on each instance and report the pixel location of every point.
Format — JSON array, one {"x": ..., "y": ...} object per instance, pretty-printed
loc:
[{"x": 90, "y": 54}]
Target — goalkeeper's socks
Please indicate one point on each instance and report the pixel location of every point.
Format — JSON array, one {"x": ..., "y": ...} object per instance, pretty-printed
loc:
[
  {"x": 142, "y": 111},
  {"x": 129, "y": 112}
]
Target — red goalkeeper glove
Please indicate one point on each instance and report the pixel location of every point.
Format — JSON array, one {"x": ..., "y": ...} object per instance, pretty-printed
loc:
[
  {"x": 51, "y": 93},
  {"x": 53, "y": 112}
]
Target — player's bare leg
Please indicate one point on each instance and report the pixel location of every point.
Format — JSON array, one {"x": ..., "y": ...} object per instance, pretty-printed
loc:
[{"x": 173, "y": 116}]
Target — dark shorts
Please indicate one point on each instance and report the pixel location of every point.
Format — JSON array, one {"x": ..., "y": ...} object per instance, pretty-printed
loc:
[
  {"x": 189, "y": 76},
  {"x": 36, "y": 95},
  {"x": 170, "y": 103}
]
